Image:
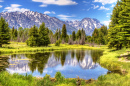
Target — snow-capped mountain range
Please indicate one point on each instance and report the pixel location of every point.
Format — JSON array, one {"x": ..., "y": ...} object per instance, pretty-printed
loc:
[{"x": 29, "y": 18}]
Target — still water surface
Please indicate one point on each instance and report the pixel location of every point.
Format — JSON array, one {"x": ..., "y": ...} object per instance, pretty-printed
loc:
[{"x": 71, "y": 63}]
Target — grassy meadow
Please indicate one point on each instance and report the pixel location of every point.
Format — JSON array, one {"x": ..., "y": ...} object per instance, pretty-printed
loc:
[
  {"x": 18, "y": 47},
  {"x": 119, "y": 76}
]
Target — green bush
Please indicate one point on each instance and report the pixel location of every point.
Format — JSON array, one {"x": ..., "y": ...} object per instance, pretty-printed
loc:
[
  {"x": 32, "y": 41},
  {"x": 58, "y": 43},
  {"x": 45, "y": 81},
  {"x": 59, "y": 77}
]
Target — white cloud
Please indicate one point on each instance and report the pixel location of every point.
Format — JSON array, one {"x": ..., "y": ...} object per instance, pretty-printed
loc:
[
  {"x": 103, "y": 8},
  {"x": 15, "y": 7},
  {"x": 109, "y": 14},
  {"x": 86, "y": 2},
  {"x": 106, "y": 22},
  {"x": 48, "y": 12},
  {"x": 106, "y": 1},
  {"x": 65, "y": 17},
  {"x": 95, "y": 7},
  {"x": 88, "y": 9},
  {"x": 113, "y": 5},
  {"x": 1, "y": 6},
  {"x": 43, "y": 5},
  {"x": 1, "y": 1},
  {"x": 55, "y": 2}
]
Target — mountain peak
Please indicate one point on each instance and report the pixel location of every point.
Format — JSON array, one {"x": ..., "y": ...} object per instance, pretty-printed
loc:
[{"x": 29, "y": 18}]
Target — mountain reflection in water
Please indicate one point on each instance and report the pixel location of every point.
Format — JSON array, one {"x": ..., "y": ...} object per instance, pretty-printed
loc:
[{"x": 72, "y": 63}]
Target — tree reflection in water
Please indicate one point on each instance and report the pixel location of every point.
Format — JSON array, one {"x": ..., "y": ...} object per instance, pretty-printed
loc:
[
  {"x": 4, "y": 63},
  {"x": 96, "y": 54},
  {"x": 38, "y": 61},
  {"x": 80, "y": 54},
  {"x": 61, "y": 55}
]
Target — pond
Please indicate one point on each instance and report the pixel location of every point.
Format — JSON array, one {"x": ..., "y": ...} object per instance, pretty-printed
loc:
[{"x": 71, "y": 63}]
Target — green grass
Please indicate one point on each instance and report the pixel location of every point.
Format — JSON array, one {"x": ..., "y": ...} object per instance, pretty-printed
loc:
[
  {"x": 111, "y": 61},
  {"x": 7, "y": 79},
  {"x": 19, "y": 47}
]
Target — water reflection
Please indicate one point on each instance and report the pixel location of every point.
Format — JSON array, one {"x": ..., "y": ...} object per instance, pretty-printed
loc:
[
  {"x": 3, "y": 63},
  {"x": 83, "y": 63},
  {"x": 38, "y": 61}
]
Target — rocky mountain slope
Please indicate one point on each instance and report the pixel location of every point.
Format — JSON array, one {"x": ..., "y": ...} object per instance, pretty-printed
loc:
[
  {"x": 29, "y": 18},
  {"x": 87, "y": 24}
]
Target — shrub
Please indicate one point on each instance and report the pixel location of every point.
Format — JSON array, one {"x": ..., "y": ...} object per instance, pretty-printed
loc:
[
  {"x": 59, "y": 77},
  {"x": 58, "y": 43},
  {"x": 45, "y": 81}
]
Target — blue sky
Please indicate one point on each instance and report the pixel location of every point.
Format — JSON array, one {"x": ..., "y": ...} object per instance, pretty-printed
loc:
[{"x": 64, "y": 9}]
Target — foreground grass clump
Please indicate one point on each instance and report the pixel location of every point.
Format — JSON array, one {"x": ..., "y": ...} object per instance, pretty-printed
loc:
[
  {"x": 7, "y": 79},
  {"x": 120, "y": 75},
  {"x": 59, "y": 79}
]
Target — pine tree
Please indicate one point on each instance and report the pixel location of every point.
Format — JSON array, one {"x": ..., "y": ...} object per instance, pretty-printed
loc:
[
  {"x": 114, "y": 35},
  {"x": 124, "y": 23},
  {"x": 56, "y": 34},
  {"x": 12, "y": 33},
  {"x": 15, "y": 34},
  {"x": 64, "y": 32},
  {"x": 59, "y": 34},
  {"x": 4, "y": 32},
  {"x": 43, "y": 35},
  {"x": 119, "y": 33},
  {"x": 78, "y": 34},
  {"x": 73, "y": 36},
  {"x": 34, "y": 37},
  {"x": 95, "y": 35},
  {"x": 83, "y": 36}
]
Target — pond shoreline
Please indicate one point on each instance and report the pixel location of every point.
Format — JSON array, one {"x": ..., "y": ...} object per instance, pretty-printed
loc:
[{"x": 15, "y": 47}]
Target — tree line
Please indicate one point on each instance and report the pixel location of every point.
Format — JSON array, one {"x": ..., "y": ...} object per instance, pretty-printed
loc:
[{"x": 42, "y": 36}]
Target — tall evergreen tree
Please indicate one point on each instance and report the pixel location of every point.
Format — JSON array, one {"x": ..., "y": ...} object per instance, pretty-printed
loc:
[
  {"x": 15, "y": 34},
  {"x": 83, "y": 36},
  {"x": 4, "y": 32},
  {"x": 33, "y": 37},
  {"x": 95, "y": 35},
  {"x": 43, "y": 35},
  {"x": 119, "y": 33},
  {"x": 73, "y": 36},
  {"x": 12, "y": 33},
  {"x": 114, "y": 30},
  {"x": 124, "y": 22},
  {"x": 57, "y": 34},
  {"x": 78, "y": 34},
  {"x": 64, "y": 32}
]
